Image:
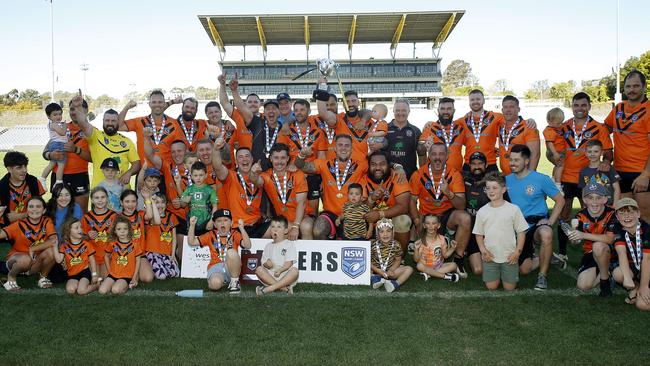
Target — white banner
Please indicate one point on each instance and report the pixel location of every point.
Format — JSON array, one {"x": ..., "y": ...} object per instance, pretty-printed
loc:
[{"x": 319, "y": 261}]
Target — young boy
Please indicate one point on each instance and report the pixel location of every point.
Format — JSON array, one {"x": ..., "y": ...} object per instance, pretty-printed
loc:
[
  {"x": 633, "y": 249},
  {"x": 223, "y": 241},
  {"x": 182, "y": 181},
  {"x": 114, "y": 188},
  {"x": 500, "y": 231},
  {"x": 201, "y": 198},
  {"x": 58, "y": 137},
  {"x": 555, "y": 145},
  {"x": 354, "y": 223},
  {"x": 592, "y": 173},
  {"x": 596, "y": 230},
  {"x": 16, "y": 188},
  {"x": 148, "y": 181},
  {"x": 278, "y": 270},
  {"x": 386, "y": 259},
  {"x": 379, "y": 128}
]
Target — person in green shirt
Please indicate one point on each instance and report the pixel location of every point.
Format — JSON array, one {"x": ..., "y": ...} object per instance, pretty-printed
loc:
[{"x": 201, "y": 198}]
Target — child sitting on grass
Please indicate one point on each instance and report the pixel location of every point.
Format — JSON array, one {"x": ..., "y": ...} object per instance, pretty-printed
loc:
[
  {"x": 432, "y": 250},
  {"x": 278, "y": 270},
  {"x": 78, "y": 255},
  {"x": 122, "y": 259},
  {"x": 386, "y": 259}
]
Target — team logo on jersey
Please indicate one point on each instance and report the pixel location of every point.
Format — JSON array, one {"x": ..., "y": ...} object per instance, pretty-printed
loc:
[
  {"x": 353, "y": 261},
  {"x": 589, "y": 134},
  {"x": 530, "y": 189},
  {"x": 409, "y": 133},
  {"x": 586, "y": 225},
  {"x": 122, "y": 143},
  {"x": 428, "y": 185},
  {"x": 106, "y": 140},
  {"x": 619, "y": 114},
  {"x": 634, "y": 117},
  {"x": 290, "y": 184}
]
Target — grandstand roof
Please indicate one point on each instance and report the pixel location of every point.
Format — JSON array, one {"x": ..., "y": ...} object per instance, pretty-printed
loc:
[{"x": 293, "y": 29}]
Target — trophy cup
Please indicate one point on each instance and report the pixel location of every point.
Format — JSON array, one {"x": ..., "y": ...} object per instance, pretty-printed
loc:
[{"x": 326, "y": 67}]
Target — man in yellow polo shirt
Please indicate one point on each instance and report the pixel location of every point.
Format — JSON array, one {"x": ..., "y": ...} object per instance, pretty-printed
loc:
[{"x": 107, "y": 143}]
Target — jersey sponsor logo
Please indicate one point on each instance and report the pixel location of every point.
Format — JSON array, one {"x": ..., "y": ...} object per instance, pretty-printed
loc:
[{"x": 353, "y": 261}]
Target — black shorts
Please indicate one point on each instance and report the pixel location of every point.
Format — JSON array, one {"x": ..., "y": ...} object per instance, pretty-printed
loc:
[
  {"x": 571, "y": 190},
  {"x": 334, "y": 232},
  {"x": 83, "y": 274},
  {"x": 489, "y": 168},
  {"x": 127, "y": 279},
  {"x": 181, "y": 228},
  {"x": 472, "y": 245},
  {"x": 528, "y": 252},
  {"x": 444, "y": 218},
  {"x": 80, "y": 183},
  {"x": 626, "y": 181},
  {"x": 258, "y": 229},
  {"x": 313, "y": 186}
]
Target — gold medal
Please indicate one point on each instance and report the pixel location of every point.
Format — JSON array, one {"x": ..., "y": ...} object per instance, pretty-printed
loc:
[
  {"x": 285, "y": 209},
  {"x": 507, "y": 156},
  {"x": 576, "y": 153},
  {"x": 136, "y": 234},
  {"x": 249, "y": 210},
  {"x": 477, "y": 147},
  {"x": 339, "y": 195},
  {"x": 437, "y": 203}
]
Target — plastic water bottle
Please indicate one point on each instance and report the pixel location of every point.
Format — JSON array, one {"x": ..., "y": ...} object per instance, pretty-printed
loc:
[{"x": 190, "y": 293}]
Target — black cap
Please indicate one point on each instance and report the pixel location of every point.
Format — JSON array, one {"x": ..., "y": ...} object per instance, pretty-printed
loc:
[
  {"x": 110, "y": 163},
  {"x": 271, "y": 101},
  {"x": 477, "y": 155},
  {"x": 221, "y": 213},
  {"x": 282, "y": 96}
]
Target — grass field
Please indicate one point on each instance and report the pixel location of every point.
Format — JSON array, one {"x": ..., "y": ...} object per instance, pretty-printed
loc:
[{"x": 430, "y": 322}]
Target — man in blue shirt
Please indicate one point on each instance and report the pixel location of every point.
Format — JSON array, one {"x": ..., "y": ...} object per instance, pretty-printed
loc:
[{"x": 528, "y": 189}]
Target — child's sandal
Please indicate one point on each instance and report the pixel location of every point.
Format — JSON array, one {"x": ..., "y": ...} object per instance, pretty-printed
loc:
[
  {"x": 631, "y": 297},
  {"x": 44, "y": 282}
]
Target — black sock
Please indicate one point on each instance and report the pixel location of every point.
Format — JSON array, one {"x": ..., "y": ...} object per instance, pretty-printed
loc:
[{"x": 562, "y": 240}]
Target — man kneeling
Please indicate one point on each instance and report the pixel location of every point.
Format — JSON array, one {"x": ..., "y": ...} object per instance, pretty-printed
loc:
[{"x": 278, "y": 271}]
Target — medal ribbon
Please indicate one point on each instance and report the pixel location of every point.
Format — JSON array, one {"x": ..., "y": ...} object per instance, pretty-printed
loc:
[
  {"x": 505, "y": 140},
  {"x": 637, "y": 255},
  {"x": 476, "y": 129},
  {"x": 340, "y": 180},
  {"x": 249, "y": 196},
  {"x": 282, "y": 189},
  {"x": 577, "y": 140},
  {"x": 383, "y": 264},
  {"x": 437, "y": 189},
  {"x": 303, "y": 141},
  {"x": 448, "y": 138},
  {"x": 158, "y": 133},
  {"x": 269, "y": 143},
  {"x": 190, "y": 136},
  {"x": 221, "y": 248}
]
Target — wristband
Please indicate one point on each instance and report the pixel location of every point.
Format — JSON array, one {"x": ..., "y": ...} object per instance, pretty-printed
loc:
[
  {"x": 147, "y": 202},
  {"x": 321, "y": 95}
]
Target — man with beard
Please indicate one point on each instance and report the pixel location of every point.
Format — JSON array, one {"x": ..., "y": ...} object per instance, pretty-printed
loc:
[
  {"x": 439, "y": 190},
  {"x": 243, "y": 113},
  {"x": 245, "y": 198},
  {"x": 328, "y": 131},
  {"x": 403, "y": 139},
  {"x": 192, "y": 130},
  {"x": 107, "y": 143},
  {"x": 349, "y": 122},
  {"x": 165, "y": 129},
  {"x": 286, "y": 190},
  {"x": 388, "y": 197},
  {"x": 529, "y": 189},
  {"x": 630, "y": 123},
  {"x": 445, "y": 131},
  {"x": 515, "y": 132}
]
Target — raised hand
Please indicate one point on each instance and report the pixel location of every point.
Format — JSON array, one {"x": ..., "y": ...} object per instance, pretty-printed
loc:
[
  {"x": 222, "y": 78},
  {"x": 234, "y": 83},
  {"x": 131, "y": 104}
]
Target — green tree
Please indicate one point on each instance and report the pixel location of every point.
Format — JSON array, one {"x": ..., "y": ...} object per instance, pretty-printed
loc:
[
  {"x": 203, "y": 93},
  {"x": 563, "y": 91},
  {"x": 105, "y": 101},
  {"x": 457, "y": 74},
  {"x": 538, "y": 90},
  {"x": 464, "y": 90},
  {"x": 500, "y": 87}
]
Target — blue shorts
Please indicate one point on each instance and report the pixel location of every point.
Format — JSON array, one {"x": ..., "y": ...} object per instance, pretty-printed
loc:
[
  {"x": 219, "y": 268},
  {"x": 53, "y": 146}
]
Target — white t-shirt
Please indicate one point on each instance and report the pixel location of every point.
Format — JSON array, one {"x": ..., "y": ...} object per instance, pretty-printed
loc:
[
  {"x": 279, "y": 253},
  {"x": 54, "y": 136},
  {"x": 499, "y": 226}
]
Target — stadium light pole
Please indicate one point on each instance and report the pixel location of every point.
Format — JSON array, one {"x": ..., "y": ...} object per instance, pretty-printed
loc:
[
  {"x": 52, "y": 44},
  {"x": 84, "y": 68},
  {"x": 618, "y": 97}
]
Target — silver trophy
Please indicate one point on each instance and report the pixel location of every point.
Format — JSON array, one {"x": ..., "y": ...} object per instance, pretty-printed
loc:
[{"x": 327, "y": 67}]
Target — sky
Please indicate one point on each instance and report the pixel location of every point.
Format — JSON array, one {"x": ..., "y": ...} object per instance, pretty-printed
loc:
[{"x": 141, "y": 45}]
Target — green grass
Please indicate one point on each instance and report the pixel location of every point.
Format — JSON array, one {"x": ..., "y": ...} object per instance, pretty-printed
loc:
[{"x": 432, "y": 322}]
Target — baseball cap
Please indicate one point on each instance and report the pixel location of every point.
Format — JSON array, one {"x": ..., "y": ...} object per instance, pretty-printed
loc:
[
  {"x": 110, "y": 163},
  {"x": 595, "y": 188},
  {"x": 221, "y": 213},
  {"x": 282, "y": 96},
  {"x": 625, "y": 202},
  {"x": 477, "y": 155},
  {"x": 271, "y": 101},
  {"x": 151, "y": 172}
]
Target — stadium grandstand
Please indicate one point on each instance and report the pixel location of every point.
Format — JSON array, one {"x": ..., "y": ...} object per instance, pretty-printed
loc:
[{"x": 415, "y": 78}]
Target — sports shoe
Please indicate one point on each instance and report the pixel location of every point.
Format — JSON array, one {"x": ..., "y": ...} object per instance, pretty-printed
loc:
[
  {"x": 411, "y": 247},
  {"x": 391, "y": 286},
  {"x": 234, "y": 287},
  {"x": 452, "y": 277},
  {"x": 43, "y": 182},
  {"x": 461, "y": 271},
  {"x": 605, "y": 288},
  {"x": 542, "y": 283},
  {"x": 559, "y": 260},
  {"x": 259, "y": 291},
  {"x": 425, "y": 275},
  {"x": 377, "y": 281}
]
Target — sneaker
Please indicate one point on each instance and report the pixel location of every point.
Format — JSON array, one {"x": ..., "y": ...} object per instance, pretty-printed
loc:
[
  {"x": 43, "y": 182},
  {"x": 559, "y": 260},
  {"x": 411, "y": 247},
  {"x": 259, "y": 291},
  {"x": 425, "y": 275},
  {"x": 461, "y": 271},
  {"x": 452, "y": 277},
  {"x": 377, "y": 281},
  {"x": 605, "y": 288},
  {"x": 391, "y": 286},
  {"x": 542, "y": 283},
  {"x": 234, "y": 287}
]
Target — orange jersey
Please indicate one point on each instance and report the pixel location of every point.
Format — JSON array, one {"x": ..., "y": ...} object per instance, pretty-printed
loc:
[
  {"x": 18, "y": 196},
  {"x": 245, "y": 202},
  {"x": 391, "y": 188},
  {"x": 424, "y": 187},
  {"x": 336, "y": 194},
  {"x": 329, "y": 133},
  {"x": 102, "y": 224},
  {"x": 308, "y": 134},
  {"x": 22, "y": 234},
  {"x": 123, "y": 257},
  {"x": 219, "y": 244},
  {"x": 169, "y": 171},
  {"x": 295, "y": 183},
  {"x": 345, "y": 125},
  {"x": 454, "y": 140},
  {"x": 488, "y": 123},
  {"x": 554, "y": 136},
  {"x": 160, "y": 238},
  {"x": 137, "y": 224},
  {"x": 192, "y": 132},
  {"x": 576, "y": 158},
  {"x": 630, "y": 127},
  {"x": 509, "y": 137},
  {"x": 75, "y": 163},
  {"x": 244, "y": 135},
  {"x": 77, "y": 256},
  {"x": 604, "y": 224},
  {"x": 161, "y": 141}
]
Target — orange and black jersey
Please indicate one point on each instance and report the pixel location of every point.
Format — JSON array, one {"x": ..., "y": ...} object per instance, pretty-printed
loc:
[
  {"x": 455, "y": 138},
  {"x": 600, "y": 225},
  {"x": 102, "y": 224},
  {"x": 23, "y": 234},
  {"x": 630, "y": 127},
  {"x": 77, "y": 256},
  {"x": 645, "y": 242},
  {"x": 576, "y": 158}
]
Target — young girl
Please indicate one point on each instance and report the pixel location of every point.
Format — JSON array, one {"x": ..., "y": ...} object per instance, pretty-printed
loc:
[
  {"x": 555, "y": 144},
  {"x": 33, "y": 240},
  {"x": 79, "y": 256},
  {"x": 122, "y": 259},
  {"x": 160, "y": 244},
  {"x": 432, "y": 250},
  {"x": 386, "y": 258},
  {"x": 62, "y": 207},
  {"x": 137, "y": 219},
  {"x": 97, "y": 223}
]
